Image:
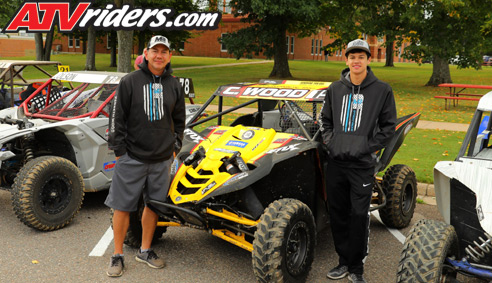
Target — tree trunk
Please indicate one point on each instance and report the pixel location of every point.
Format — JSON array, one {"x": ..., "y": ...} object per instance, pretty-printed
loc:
[
  {"x": 280, "y": 60},
  {"x": 125, "y": 43},
  {"x": 125, "y": 48},
  {"x": 43, "y": 49},
  {"x": 141, "y": 42},
  {"x": 389, "y": 54},
  {"x": 90, "y": 57},
  {"x": 113, "y": 49},
  {"x": 47, "y": 46},
  {"x": 38, "y": 41},
  {"x": 440, "y": 72}
]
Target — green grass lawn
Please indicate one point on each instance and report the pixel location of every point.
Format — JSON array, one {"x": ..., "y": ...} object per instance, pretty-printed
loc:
[{"x": 421, "y": 149}]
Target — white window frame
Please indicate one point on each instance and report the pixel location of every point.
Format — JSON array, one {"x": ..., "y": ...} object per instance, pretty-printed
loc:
[
  {"x": 291, "y": 45},
  {"x": 222, "y": 44},
  {"x": 70, "y": 41},
  {"x": 312, "y": 46},
  {"x": 288, "y": 44},
  {"x": 108, "y": 38}
]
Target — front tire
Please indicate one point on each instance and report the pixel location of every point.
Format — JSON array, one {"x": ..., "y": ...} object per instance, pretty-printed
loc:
[
  {"x": 48, "y": 193},
  {"x": 283, "y": 247},
  {"x": 134, "y": 234},
  {"x": 400, "y": 188},
  {"x": 424, "y": 252}
]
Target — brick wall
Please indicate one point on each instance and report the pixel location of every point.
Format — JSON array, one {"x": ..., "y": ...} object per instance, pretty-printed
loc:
[{"x": 17, "y": 47}]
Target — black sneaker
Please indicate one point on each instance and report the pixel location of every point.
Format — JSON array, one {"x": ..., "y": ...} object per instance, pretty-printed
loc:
[
  {"x": 356, "y": 278},
  {"x": 338, "y": 272},
  {"x": 150, "y": 258},
  {"x": 116, "y": 266}
]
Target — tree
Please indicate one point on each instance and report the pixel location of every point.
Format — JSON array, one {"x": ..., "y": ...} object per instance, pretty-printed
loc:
[
  {"x": 446, "y": 30},
  {"x": 43, "y": 48},
  {"x": 384, "y": 18},
  {"x": 125, "y": 43},
  {"x": 349, "y": 19},
  {"x": 174, "y": 36},
  {"x": 269, "y": 21},
  {"x": 90, "y": 58}
]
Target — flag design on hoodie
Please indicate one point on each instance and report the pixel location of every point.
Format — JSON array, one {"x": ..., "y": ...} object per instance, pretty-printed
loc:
[
  {"x": 352, "y": 105},
  {"x": 153, "y": 101}
]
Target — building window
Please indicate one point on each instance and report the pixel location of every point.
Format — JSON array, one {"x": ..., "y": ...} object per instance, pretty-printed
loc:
[
  {"x": 224, "y": 6},
  {"x": 291, "y": 45},
  {"x": 287, "y": 42},
  {"x": 320, "y": 46},
  {"x": 312, "y": 46},
  {"x": 108, "y": 41},
  {"x": 202, "y": 4},
  {"x": 72, "y": 40},
  {"x": 181, "y": 46},
  {"x": 316, "y": 49},
  {"x": 223, "y": 48}
]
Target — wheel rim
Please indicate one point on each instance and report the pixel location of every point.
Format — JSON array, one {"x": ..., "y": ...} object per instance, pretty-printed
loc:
[
  {"x": 407, "y": 199},
  {"x": 55, "y": 194},
  {"x": 297, "y": 246}
]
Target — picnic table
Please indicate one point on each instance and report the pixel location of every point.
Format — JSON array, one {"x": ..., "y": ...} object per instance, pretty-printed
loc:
[{"x": 456, "y": 93}]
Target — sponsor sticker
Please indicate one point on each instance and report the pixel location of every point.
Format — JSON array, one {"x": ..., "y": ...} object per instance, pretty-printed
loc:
[
  {"x": 283, "y": 149},
  {"x": 225, "y": 150},
  {"x": 240, "y": 144},
  {"x": 280, "y": 140},
  {"x": 248, "y": 135},
  {"x": 109, "y": 166}
]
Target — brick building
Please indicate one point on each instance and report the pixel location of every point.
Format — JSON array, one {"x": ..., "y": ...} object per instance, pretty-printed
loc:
[{"x": 206, "y": 44}]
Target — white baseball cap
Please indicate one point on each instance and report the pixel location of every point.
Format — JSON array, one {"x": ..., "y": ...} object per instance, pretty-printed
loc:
[
  {"x": 159, "y": 39},
  {"x": 358, "y": 44}
]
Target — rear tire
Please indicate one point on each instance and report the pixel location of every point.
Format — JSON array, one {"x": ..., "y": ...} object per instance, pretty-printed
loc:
[
  {"x": 424, "y": 252},
  {"x": 283, "y": 247},
  {"x": 48, "y": 193},
  {"x": 400, "y": 188}
]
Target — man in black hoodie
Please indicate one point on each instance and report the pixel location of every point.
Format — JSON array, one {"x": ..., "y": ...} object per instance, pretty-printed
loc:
[
  {"x": 358, "y": 119},
  {"x": 146, "y": 122}
]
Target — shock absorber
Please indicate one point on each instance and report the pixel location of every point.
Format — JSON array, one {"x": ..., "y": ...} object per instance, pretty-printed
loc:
[
  {"x": 479, "y": 250},
  {"x": 28, "y": 151}
]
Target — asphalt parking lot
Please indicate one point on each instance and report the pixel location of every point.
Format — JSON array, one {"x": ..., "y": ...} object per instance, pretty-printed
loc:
[{"x": 191, "y": 255}]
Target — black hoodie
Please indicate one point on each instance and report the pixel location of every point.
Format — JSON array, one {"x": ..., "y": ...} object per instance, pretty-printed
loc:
[
  {"x": 358, "y": 120},
  {"x": 142, "y": 123}
]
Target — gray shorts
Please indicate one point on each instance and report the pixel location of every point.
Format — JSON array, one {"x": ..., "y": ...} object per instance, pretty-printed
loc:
[{"x": 132, "y": 178}]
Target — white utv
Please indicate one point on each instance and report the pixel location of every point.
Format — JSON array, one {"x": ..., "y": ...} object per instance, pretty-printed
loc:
[
  {"x": 436, "y": 251},
  {"x": 53, "y": 147}
]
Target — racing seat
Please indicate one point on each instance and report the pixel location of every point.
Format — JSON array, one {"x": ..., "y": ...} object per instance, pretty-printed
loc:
[{"x": 255, "y": 119}]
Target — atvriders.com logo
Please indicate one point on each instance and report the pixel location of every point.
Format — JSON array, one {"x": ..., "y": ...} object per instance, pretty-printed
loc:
[{"x": 42, "y": 16}]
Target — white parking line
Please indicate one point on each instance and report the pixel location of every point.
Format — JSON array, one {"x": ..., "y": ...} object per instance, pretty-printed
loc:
[
  {"x": 398, "y": 235},
  {"x": 106, "y": 239},
  {"x": 103, "y": 244}
]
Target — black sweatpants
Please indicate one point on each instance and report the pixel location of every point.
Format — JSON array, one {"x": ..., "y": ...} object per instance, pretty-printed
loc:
[{"x": 349, "y": 192}]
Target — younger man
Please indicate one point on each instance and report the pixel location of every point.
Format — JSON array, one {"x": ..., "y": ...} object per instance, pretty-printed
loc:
[{"x": 358, "y": 119}]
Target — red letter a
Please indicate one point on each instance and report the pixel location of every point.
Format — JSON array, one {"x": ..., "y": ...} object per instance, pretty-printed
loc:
[{"x": 29, "y": 10}]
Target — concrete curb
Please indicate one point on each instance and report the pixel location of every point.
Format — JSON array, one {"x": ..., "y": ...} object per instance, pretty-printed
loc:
[{"x": 426, "y": 193}]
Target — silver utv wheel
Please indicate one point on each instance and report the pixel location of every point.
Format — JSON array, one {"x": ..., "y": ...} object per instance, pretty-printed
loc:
[
  {"x": 283, "y": 247},
  {"x": 426, "y": 247},
  {"x": 400, "y": 188},
  {"x": 48, "y": 193}
]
